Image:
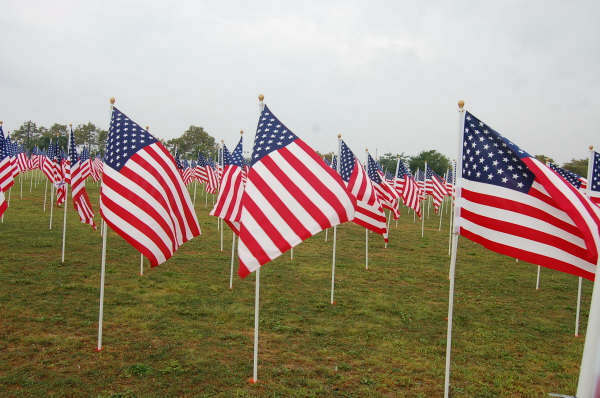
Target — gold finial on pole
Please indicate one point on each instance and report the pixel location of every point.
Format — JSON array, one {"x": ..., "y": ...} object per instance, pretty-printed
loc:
[
  {"x": 71, "y": 125},
  {"x": 591, "y": 146},
  {"x": 339, "y": 135},
  {"x": 147, "y": 128},
  {"x": 241, "y": 132},
  {"x": 261, "y": 97},
  {"x": 0, "y": 122},
  {"x": 112, "y": 100},
  {"x": 461, "y": 104}
]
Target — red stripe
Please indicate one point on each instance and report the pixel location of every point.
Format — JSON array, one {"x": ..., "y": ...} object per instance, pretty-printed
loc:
[
  {"x": 269, "y": 229},
  {"x": 524, "y": 255}
]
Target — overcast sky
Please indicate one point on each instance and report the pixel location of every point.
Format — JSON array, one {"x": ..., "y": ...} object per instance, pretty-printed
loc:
[{"x": 387, "y": 75}]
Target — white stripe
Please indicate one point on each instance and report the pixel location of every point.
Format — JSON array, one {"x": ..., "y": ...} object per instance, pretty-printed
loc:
[
  {"x": 259, "y": 234},
  {"x": 527, "y": 245}
]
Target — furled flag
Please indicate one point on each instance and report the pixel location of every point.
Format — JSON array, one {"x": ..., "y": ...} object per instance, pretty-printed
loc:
[
  {"x": 229, "y": 199},
  {"x": 6, "y": 175},
  {"x": 3, "y": 203},
  {"x": 594, "y": 190},
  {"x": 386, "y": 194},
  {"x": 59, "y": 178},
  {"x": 409, "y": 188},
  {"x": 11, "y": 150},
  {"x": 200, "y": 170},
  {"x": 437, "y": 188},
  {"x": 515, "y": 205},
  {"x": 143, "y": 198},
  {"x": 450, "y": 180},
  {"x": 47, "y": 164},
  {"x": 85, "y": 164},
  {"x": 97, "y": 165},
  {"x": 369, "y": 212},
  {"x": 290, "y": 195},
  {"x": 23, "y": 163},
  {"x": 81, "y": 201},
  {"x": 212, "y": 184},
  {"x": 187, "y": 172}
]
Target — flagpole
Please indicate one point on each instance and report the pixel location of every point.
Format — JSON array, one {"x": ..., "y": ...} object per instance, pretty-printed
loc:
[
  {"x": 455, "y": 235},
  {"x": 423, "y": 204},
  {"x": 64, "y": 235},
  {"x": 589, "y": 373},
  {"x": 578, "y": 308},
  {"x": 141, "y": 264},
  {"x": 31, "y": 180},
  {"x": 537, "y": 281},
  {"x": 232, "y": 259},
  {"x": 195, "y": 185},
  {"x": 337, "y": 168},
  {"x": 366, "y": 230},
  {"x": 103, "y": 265},
  {"x": 51, "y": 201},
  {"x": 452, "y": 202},
  {"x": 45, "y": 194},
  {"x": 21, "y": 185}
]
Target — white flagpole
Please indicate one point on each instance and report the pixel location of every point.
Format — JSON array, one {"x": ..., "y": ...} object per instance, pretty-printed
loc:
[
  {"x": 45, "y": 194},
  {"x": 102, "y": 272},
  {"x": 366, "y": 248},
  {"x": 64, "y": 235},
  {"x": 51, "y": 203},
  {"x": 195, "y": 185},
  {"x": 232, "y": 259},
  {"x": 578, "y": 308},
  {"x": 31, "y": 181},
  {"x": 103, "y": 267},
  {"x": 292, "y": 254},
  {"x": 141, "y": 264},
  {"x": 454, "y": 248},
  {"x": 442, "y": 206},
  {"x": 423, "y": 204},
  {"x": 337, "y": 167},
  {"x": 326, "y": 234},
  {"x": 537, "y": 281},
  {"x": 21, "y": 185},
  {"x": 452, "y": 209}
]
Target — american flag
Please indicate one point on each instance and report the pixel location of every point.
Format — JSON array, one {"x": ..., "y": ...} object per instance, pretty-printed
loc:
[
  {"x": 59, "y": 179},
  {"x": 386, "y": 194},
  {"x": 594, "y": 189},
  {"x": 81, "y": 201},
  {"x": 290, "y": 195},
  {"x": 3, "y": 203},
  {"x": 85, "y": 164},
  {"x": 22, "y": 159},
  {"x": 573, "y": 178},
  {"x": 407, "y": 188},
  {"x": 6, "y": 175},
  {"x": 11, "y": 150},
  {"x": 212, "y": 184},
  {"x": 437, "y": 188},
  {"x": 228, "y": 204},
  {"x": 143, "y": 198},
  {"x": 187, "y": 173},
  {"x": 47, "y": 164},
  {"x": 515, "y": 205},
  {"x": 200, "y": 170},
  {"x": 369, "y": 212},
  {"x": 96, "y": 167}
]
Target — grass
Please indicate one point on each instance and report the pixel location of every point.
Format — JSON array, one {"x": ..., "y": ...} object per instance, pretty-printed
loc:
[{"x": 179, "y": 330}]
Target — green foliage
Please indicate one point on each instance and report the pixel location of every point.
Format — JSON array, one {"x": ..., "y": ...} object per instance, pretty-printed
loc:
[
  {"x": 195, "y": 139},
  {"x": 388, "y": 161},
  {"x": 435, "y": 160},
  {"x": 544, "y": 159},
  {"x": 577, "y": 166}
]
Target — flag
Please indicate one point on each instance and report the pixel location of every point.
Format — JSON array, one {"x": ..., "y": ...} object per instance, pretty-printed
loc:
[
  {"x": 143, "y": 198},
  {"x": 6, "y": 175},
  {"x": 58, "y": 176},
  {"x": 384, "y": 191},
  {"x": 407, "y": 187},
  {"x": 229, "y": 199},
  {"x": 81, "y": 201},
  {"x": 437, "y": 188},
  {"x": 85, "y": 164},
  {"x": 594, "y": 188},
  {"x": 212, "y": 184},
  {"x": 369, "y": 211},
  {"x": 96, "y": 167},
  {"x": 47, "y": 165},
  {"x": 290, "y": 195},
  {"x": 3, "y": 203},
  {"x": 515, "y": 205},
  {"x": 572, "y": 178},
  {"x": 200, "y": 170}
]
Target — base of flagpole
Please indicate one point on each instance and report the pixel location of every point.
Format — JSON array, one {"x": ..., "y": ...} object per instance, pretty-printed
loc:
[
  {"x": 333, "y": 303},
  {"x": 98, "y": 349},
  {"x": 252, "y": 381}
]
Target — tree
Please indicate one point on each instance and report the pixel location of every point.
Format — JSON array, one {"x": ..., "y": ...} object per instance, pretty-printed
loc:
[
  {"x": 544, "y": 159},
  {"x": 85, "y": 134},
  {"x": 101, "y": 141},
  {"x": 577, "y": 166},
  {"x": 435, "y": 160},
  {"x": 388, "y": 161},
  {"x": 193, "y": 140},
  {"x": 27, "y": 135}
]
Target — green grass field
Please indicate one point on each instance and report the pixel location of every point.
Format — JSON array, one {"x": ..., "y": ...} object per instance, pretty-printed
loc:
[{"x": 180, "y": 331}]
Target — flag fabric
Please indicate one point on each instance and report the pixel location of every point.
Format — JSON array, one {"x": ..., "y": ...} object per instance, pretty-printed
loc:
[
  {"x": 58, "y": 176},
  {"x": 6, "y": 175},
  {"x": 96, "y": 167},
  {"x": 47, "y": 164},
  {"x": 212, "y": 184},
  {"x": 231, "y": 189},
  {"x": 407, "y": 187},
  {"x": 386, "y": 194},
  {"x": 290, "y": 195},
  {"x": 437, "y": 188},
  {"x": 515, "y": 205},
  {"x": 200, "y": 170},
  {"x": 85, "y": 164},
  {"x": 143, "y": 198},
  {"x": 450, "y": 180},
  {"x": 81, "y": 201},
  {"x": 22, "y": 160},
  {"x": 369, "y": 211},
  {"x": 594, "y": 189},
  {"x": 3, "y": 203},
  {"x": 11, "y": 150},
  {"x": 572, "y": 178}
]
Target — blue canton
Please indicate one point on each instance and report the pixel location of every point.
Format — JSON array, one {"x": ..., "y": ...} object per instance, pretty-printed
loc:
[
  {"x": 372, "y": 170},
  {"x": 568, "y": 175},
  {"x": 492, "y": 159},
  {"x": 226, "y": 156},
  {"x": 347, "y": 161},
  {"x": 72, "y": 150},
  {"x": 595, "y": 183},
  {"x": 271, "y": 135},
  {"x": 125, "y": 138},
  {"x": 402, "y": 170},
  {"x": 236, "y": 156}
]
